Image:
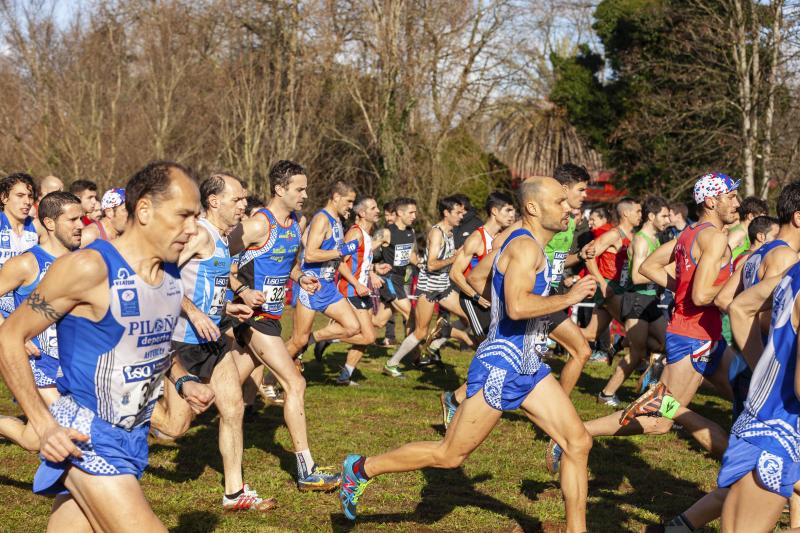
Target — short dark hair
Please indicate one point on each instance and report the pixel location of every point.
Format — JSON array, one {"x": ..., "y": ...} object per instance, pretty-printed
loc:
[
  {"x": 568, "y": 173},
  {"x": 789, "y": 202},
  {"x": 361, "y": 203},
  {"x": 463, "y": 200},
  {"x": 390, "y": 206},
  {"x": 341, "y": 188},
  {"x": 281, "y": 174},
  {"x": 601, "y": 211},
  {"x": 497, "y": 199},
  {"x": 152, "y": 181},
  {"x": 53, "y": 204},
  {"x": 402, "y": 202},
  {"x": 753, "y": 205},
  {"x": 254, "y": 202},
  {"x": 625, "y": 203},
  {"x": 213, "y": 185},
  {"x": 760, "y": 224},
  {"x": 681, "y": 208},
  {"x": 654, "y": 205},
  {"x": 447, "y": 203},
  {"x": 7, "y": 183},
  {"x": 78, "y": 186}
]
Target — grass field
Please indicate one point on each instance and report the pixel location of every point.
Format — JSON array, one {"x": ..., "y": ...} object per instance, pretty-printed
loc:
[{"x": 503, "y": 486}]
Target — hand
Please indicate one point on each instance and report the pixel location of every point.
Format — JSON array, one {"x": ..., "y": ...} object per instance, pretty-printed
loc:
[
  {"x": 57, "y": 443},
  {"x": 362, "y": 290},
  {"x": 310, "y": 284},
  {"x": 376, "y": 280},
  {"x": 198, "y": 396},
  {"x": 252, "y": 298},
  {"x": 204, "y": 325},
  {"x": 383, "y": 268},
  {"x": 582, "y": 289},
  {"x": 587, "y": 252},
  {"x": 31, "y": 349},
  {"x": 483, "y": 302},
  {"x": 239, "y": 311},
  {"x": 569, "y": 281}
]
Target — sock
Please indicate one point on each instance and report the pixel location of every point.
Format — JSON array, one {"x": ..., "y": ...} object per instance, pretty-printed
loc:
[
  {"x": 438, "y": 343},
  {"x": 235, "y": 494},
  {"x": 305, "y": 463},
  {"x": 350, "y": 369},
  {"x": 358, "y": 468},
  {"x": 679, "y": 524},
  {"x": 409, "y": 343}
]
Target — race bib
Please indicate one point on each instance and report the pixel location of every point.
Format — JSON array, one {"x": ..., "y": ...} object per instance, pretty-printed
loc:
[
  {"x": 559, "y": 260},
  {"x": 218, "y": 297},
  {"x": 539, "y": 335},
  {"x": 624, "y": 275},
  {"x": 402, "y": 254},
  {"x": 274, "y": 289}
]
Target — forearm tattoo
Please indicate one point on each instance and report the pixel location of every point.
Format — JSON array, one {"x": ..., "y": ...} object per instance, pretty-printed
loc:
[{"x": 41, "y": 306}]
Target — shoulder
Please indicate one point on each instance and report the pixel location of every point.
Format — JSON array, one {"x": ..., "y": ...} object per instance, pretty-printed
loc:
[{"x": 83, "y": 265}]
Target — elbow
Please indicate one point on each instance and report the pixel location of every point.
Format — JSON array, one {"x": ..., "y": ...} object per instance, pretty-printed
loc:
[
  {"x": 701, "y": 299},
  {"x": 723, "y": 303},
  {"x": 513, "y": 311}
]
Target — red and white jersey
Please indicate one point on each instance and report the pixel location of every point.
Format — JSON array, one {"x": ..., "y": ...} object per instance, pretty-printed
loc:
[{"x": 359, "y": 263}]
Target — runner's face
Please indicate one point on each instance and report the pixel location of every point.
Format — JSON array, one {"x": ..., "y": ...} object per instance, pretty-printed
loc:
[
  {"x": 344, "y": 203},
  {"x": 595, "y": 221},
  {"x": 407, "y": 214},
  {"x": 576, "y": 194},
  {"x": 554, "y": 207},
  {"x": 232, "y": 202},
  {"x": 726, "y": 207},
  {"x": 118, "y": 217},
  {"x": 634, "y": 215},
  {"x": 372, "y": 213},
  {"x": 20, "y": 200},
  {"x": 89, "y": 201},
  {"x": 174, "y": 218},
  {"x": 661, "y": 220},
  {"x": 772, "y": 234},
  {"x": 453, "y": 217},
  {"x": 506, "y": 216},
  {"x": 389, "y": 217},
  {"x": 68, "y": 226},
  {"x": 295, "y": 193}
]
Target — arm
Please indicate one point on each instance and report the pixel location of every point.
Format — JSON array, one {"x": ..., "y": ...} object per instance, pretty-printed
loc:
[
  {"x": 19, "y": 271},
  {"x": 520, "y": 276},
  {"x": 730, "y": 289},
  {"x": 202, "y": 322},
  {"x": 656, "y": 267},
  {"x": 601, "y": 244},
  {"x": 638, "y": 255},
  {"x": 345, "y": 267},
  {"x": 479, "y": 278},
  {"x": 316, "y": 234},
  {"x": 461, "y": 261},
  {"x": 713, "y": 246},
  {"x": 778, "y": 260},
  {"x": 198, "y": 245},
  {"x": 435, "y": 242},
  {"x": 735, "y": 238},
  {"x": 744, "y": 312},
  {"x": 89, "y": 234}
]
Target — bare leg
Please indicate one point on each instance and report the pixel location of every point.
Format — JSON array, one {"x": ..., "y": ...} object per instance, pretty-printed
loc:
[
  {"x": 301, "y": 329},
  {"x": 569, "y": 335},
  {"x": 707, "y": 508},
  {"x": 66, "y": 515},
  {"x": 637, "y": 338},
  {"x": 360, "y": 331},
  {"x": 21, "y": 433},
  {"x": 751, "y": 508},
  {"x": 228, "y": 399},
  {"x": 172, "y": 416}
]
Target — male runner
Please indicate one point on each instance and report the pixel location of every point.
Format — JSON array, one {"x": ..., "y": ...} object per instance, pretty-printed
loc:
[
  {"x": 434, "y": 281},
  {"x": 112, "y": 223},
  {"x": 695, "y": 348},
  {"x": 87, "y": 192},
  {"x": 507, "y": 372},
  {"x": 17, "y": 230},
  {"x": 116, "y": 306},
  {"x": 639, "y": 309},
  {"x": 750, "y": 208},
  {"x": 264, "y": 270},
  {"x": 201, "y": 342},
  {"x": 384, "y": 296},
  {"x": 323, "y": 252},
  {"x": 60, "y": 215}
]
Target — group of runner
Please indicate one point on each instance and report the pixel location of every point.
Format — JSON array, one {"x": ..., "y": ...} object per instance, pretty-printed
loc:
[{"x": 168, "y": 278}]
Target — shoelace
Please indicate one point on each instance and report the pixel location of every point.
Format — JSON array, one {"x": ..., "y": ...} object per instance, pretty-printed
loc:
[{"x": 361, "y": 486}]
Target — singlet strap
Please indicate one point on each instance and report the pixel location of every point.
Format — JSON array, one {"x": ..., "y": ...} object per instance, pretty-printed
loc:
[{"x": 698, "y": 227}]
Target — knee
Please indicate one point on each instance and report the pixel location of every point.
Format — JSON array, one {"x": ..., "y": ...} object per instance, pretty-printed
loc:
[
  {"x": 296, "y": 384},
  {"x": 661, "y": 426},
  {"x": 582, "y": 353},
  {"x": 443, "y": 458},
  {"x": 351, "y": 328},
  {"x": 578, "y": 444},
  {"x": 231, "y": 409},
  {"x": 369, "y": 335}
]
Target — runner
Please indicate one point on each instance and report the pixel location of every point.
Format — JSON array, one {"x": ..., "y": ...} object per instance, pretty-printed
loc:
[
  {"x": 323, "y": 252},
  {"x": 434, "y": 285},
  {"x": 506, "y": 372},
  {"x": 695, "y": 348},
  {"x": 200, "y": 340},
  {"x": 116, "y": 305},
  {"x": 87, "y": 192},
  {"x": 640, "y": 313},
  {"x": 264, "y": 270},
  {"x": 60, "y": 215},
  {"x": 112, "y": 223},
  {"x": 750, "y": 208},
  {"x": 17, "y": 230}
]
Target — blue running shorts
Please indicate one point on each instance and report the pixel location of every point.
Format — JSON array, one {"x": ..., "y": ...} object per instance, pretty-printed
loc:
[
  {"x": 774, "y": 470},
  {"x": 706, "y": 355},
  {"x": 503, "y": 388},
  {"x": 110, "y": 450},
  {"x": 45, "y": 370},
  {"x": 326, "y": 295}
]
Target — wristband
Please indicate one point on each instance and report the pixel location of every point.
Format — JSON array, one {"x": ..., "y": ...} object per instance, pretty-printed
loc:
[
  {"x": 183, "y": 379},
  {"x": 349, "y": 248},
  {"x": 476, "y": 297},
  {"x": 240, "y": 290}
]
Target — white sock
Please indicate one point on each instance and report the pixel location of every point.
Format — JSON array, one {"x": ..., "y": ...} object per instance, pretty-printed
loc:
[
  {"x": 305, "y": 463},
  {"x": 350, "y": 369},
  {"x": 408, "y": 344},
  {"x": 438, "y": 343}
]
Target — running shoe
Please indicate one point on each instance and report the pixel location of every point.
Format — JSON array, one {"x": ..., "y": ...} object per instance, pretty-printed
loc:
[
  {"x": 599, "y": 356},
  {"x": 657, "y": 401},
  {"x": 271, "y": 395},
  {"x": 353, "y": 486},
  {"x": 552, "y": 458},
  {"x": 422, "y": 360},
  {"x": 345, "y": 378},
  {"x": 611, "y": 400},
  {"x": 386, "y": 342},
  {"x": 319, "y": 349},
  {"x": 435, "y": 333},
  {"x": 652, "y": 374},
  {"x": 319, "y": 480},
  {"x": 435, "y": 355},
  {"x": 393, "y": 371},
  {"x": 248, "y": 500},
  {"x": 449, "y": 407}
]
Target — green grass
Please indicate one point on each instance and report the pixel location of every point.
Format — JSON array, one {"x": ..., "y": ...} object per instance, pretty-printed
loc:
[{"x": 503, "y": 486}]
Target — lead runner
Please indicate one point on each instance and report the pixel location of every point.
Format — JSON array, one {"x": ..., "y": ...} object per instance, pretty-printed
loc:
[{"x": 117, "y": 305}]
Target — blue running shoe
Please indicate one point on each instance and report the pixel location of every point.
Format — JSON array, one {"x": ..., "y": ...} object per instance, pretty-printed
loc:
[
  {"x": 449, "y": 407},
  {"x": 552, "y": 458},
  {"x": 352, "y": 487},
  {"x": 599, "y": 356},
  {"x": 318, "y": 480}
]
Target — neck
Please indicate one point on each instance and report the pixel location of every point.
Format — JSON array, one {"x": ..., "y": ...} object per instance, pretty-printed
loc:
[
  {"x": 649, "y": 228},
  {"x": 330, "y": 208},
  {"x": 444, "y": 225},
  {"x": 492, "y": 226},
  {"x": 790, "y": 235},
  {"x": 16, "y": 223},
  {"x": 214, "y": 218},
  {"x": 138, "y": 252},
  {"x": 110, "y": 231},
  {"x": 713, "y": 218},
  {"x": 540, "y": 233},
  {"x": 399, "y": 224},
  {"x": 625, "y": 226},
  {"x": 53, "y": 246},
  {"x": 680, "y": 226},
  {"x": 279, "y": 209},
  {"x": 364, "y": 224}
]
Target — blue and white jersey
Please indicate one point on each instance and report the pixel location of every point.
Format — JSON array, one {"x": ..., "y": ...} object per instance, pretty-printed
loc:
[
  {"x": 516, "y": 344},
  {"x": 114, "y": 367},
  {"x": 205, "y": 282},
  {"x": 770, "y": 417},
  {"x": 12, "y": 244},
  {"x": 326, "y": 270},
  {"x": 267, "y": 268},
  {"x": 753, "y": 263},
  {"x": 46, "y": 341}
]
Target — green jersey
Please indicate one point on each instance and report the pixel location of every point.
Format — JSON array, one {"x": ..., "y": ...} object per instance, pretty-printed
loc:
[
  {"x": 642, "y": 288},
  {"x": 557, "y": 251},
  {"x": 744, "y": 246}
]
